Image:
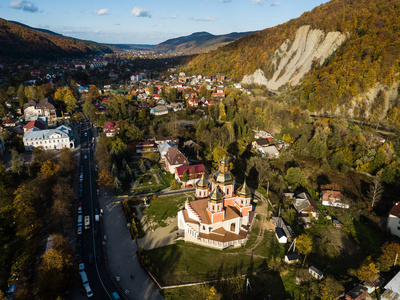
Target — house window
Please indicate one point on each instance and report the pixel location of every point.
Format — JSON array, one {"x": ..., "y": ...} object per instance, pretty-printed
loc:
[
  {"x": 213, "y": 208},
  {"x": 241, "y": 201},
  {"x": 227, "y": 191},
  {"x": 233, "y": 226},
  {"x": 204, "y": 227}
]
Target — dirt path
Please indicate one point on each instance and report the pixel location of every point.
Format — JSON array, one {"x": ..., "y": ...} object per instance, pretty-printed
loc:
[{"x": 262, "y": 210}]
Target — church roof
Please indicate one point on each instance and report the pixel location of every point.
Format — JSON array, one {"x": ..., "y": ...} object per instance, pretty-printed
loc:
[
  {"x": 202, "y": 183},
  {"x": 223, "y": 235},
  {"x": 223, "y": 178},
  {"x": 244, "y": 190},
  {"x": 216, "y": 195}
]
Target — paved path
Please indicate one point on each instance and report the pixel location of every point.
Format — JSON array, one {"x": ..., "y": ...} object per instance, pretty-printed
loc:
[{"x": 121, "y": 253}]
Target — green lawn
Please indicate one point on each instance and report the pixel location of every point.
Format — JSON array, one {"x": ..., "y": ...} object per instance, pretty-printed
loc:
[
  {"x": 165, "y": 207},
  {"x": 167, "y": 176},
  {"x": 185, "y": 262}
]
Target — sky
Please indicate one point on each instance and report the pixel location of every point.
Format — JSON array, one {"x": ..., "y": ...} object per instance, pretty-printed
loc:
[{"x": 151, "y": 21}]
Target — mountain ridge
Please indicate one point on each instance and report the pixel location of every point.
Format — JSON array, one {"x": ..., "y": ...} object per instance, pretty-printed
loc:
[
  {"x": 22, "y": 41},
  {"x": 369, "y": 56},
  {"x": 197, "y": 42}
]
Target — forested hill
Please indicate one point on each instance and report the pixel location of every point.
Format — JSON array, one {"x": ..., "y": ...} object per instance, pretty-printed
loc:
[
  {"x": 369, "y": 53},
  {"x": 21, "y": 41},
  {"x": 197, "y": 42}
]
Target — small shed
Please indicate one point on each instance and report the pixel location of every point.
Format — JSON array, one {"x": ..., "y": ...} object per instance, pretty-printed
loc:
[
  {"x": 280, "y": 235},
  {"x": 315, "y": 273},
  {"x": 291, "y": 258}
]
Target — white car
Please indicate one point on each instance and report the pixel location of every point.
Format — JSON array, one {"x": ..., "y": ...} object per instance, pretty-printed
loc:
[
  {"x": 79, "y": 209},
  {"x": 89, "y": 292},
  {"x": 85, "y": 157},
  {"x": 81, "y": 267},
  {"x": 85, "y": 133}
]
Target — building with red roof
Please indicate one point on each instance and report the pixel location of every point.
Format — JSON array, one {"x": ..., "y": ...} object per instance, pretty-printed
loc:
[
  {"x": 194, "y": 173},
  {"x": 110, "y": 128}
]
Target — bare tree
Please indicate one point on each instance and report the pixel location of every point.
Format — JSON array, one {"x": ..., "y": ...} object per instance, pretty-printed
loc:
[{"x": 375, "y": 191}]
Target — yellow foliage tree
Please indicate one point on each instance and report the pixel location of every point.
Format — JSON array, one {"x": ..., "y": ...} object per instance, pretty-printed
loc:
[
  {"x": 49, "y": 168},
  {"x": 106, "y": 179}
]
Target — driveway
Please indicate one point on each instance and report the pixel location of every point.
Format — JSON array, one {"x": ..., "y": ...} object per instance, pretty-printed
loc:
[{"x": 121, "y": 254}]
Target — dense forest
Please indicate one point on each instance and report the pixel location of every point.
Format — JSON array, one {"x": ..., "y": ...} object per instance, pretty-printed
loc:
[
  {"x": 368, "y": 56},
  {"x": 18, "y": 41}
]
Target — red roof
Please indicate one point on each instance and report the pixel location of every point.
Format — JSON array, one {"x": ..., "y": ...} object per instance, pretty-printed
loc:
[
  {"x": 109, "y": 126},
  {"x": 34, "y": 124},
  {"x": 395, "y": 211},
  {"x": 197, "y": 169}
]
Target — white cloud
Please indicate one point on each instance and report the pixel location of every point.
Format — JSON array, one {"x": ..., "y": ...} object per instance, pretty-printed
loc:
[
  {"x": 140, "y": 12},
  {"x": 102, "y": 12},
  {"x": 259, "y": 2},
  {"x": 206, "y": 19},
  {"x": 276, "y": 3},
  {"x": 225, "y": 1},
  {"x": 174, "y": 16},
  {"x": 24, "y": 5}
]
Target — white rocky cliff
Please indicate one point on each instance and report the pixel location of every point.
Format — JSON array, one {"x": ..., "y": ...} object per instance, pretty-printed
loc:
[{"x": 292, "y": 60}]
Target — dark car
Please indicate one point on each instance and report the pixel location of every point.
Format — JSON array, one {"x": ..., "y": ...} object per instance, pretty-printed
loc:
[
  {"x": 91, "y": 258},
  {"x": 98, "y": 258}
]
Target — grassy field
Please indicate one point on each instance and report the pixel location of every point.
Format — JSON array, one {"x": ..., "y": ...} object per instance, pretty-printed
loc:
[
  {"x": 165, "y": 207},
  {"x": 186, "y": 262}
]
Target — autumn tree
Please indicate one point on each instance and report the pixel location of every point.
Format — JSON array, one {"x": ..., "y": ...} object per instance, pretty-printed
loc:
[
  {"x": 67, "y": 162},
  {"x": 304, "y": 245},
  {"x": 57, "y": 269},
  {"x": 175, "y": 184},
  {"x": 49, "y": 168},
  {"x": 330, "y": 288},
  {"x": 218, "y": 154},
  {"x": 390, "y": 251},
  {"x": 367, "y": 271},
  {"x": 105, "y": 179},
  {"x": 152, "y": 156}
]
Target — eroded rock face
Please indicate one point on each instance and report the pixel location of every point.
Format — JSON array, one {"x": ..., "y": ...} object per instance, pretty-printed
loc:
[{"x": 292, "y": 60}]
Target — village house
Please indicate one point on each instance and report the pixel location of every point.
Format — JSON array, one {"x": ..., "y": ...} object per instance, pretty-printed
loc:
[
  {"x": 163, "y": 149},
  {"x": 172, "y": 139},
  {"x": 49, "y": 139},
  {"x": 333, "y": 198},
  {"x": 194, "y": 173},
  {"x": 317, "y": 274},
  {"x": 392, "y": 289},
  {"x": 145, "y": 147},
  {"x": 305, "y": 207},
  {"x": 34, "y": 125},
  {"x": 45, "y": 107},
  {"x": 264, "y": 147},
  {"x": 110, "y": 128},
  {"x": 393, "y": 222},
  {"x": 174, "y": 158},
  {"x": 159, "y": 110},
  {"x": 219, "y": 217},
  {"x": 357, "y": 293}
]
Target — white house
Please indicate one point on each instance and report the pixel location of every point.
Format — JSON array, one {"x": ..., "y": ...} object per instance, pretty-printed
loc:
[
  {"x": 58, "y": 138},
  {"x": 159, "y": 110},
  {"x": 393, "y": 222},
  {"x": 392, "y": 289},
  {"x": 163, "y": 149},
  {"x": 333, "y": 198}
]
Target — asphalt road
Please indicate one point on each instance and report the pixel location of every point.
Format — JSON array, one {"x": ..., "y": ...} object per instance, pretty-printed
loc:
[{"x": 92, "y": 238}]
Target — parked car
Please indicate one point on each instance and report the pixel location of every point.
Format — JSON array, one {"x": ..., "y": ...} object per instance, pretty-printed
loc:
[
  {"x": 89, "y": 292},
  {"x": 91, "y": 258},
  {"x": 115, "y": 296},
  {"x": 81, "y": 267},
  {"x": 79, "y": 229}
]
